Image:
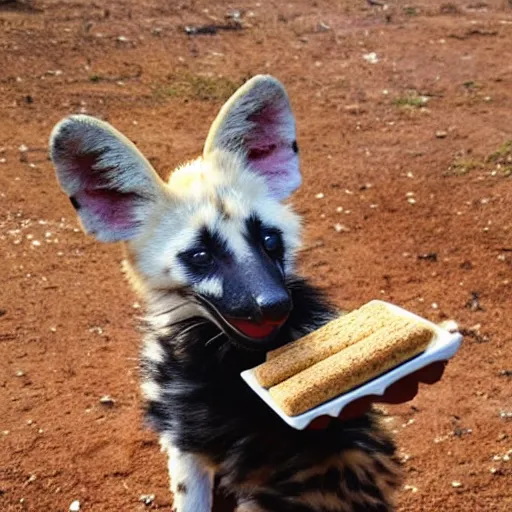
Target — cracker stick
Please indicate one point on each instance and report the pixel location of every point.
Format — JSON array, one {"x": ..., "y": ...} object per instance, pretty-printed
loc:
[
  {"x": 386, "y": 348},
  {"x": 322, "y": 343}
]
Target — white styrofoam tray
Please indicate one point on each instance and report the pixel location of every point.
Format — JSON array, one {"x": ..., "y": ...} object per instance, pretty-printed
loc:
[{"x": 443, "y": 346}]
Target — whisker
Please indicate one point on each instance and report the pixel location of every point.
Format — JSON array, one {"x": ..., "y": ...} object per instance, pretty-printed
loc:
[
  {"x": 191, "y": 328},
  {"x": 171, "y": 310},
  {"x": 211, "y": 340}
]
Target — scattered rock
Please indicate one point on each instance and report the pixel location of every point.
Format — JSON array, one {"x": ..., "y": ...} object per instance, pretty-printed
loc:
[
  {"x": 441, "y": 134},
  {"x": 429, "y": 256},
  {"x": 75, "y": 506},
  {"x": 506, "y": 415},
  {"x": 147, "y": 499},
  {"x": 474, "y": 332},
  {"x": 197, "y": 30},
  {"x": 473, "y": 304},
  {"x": 371, "y": 57},
  {"x": 456, "y": 484},
  {"x": 460, "y": 431},
  {"x": 234, "y": 15},
  {"x": 340, "y": 228},
  {"x": 107, "y": 401}
]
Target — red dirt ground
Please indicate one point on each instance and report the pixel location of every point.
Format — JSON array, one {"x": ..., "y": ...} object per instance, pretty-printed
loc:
[{"x": 399, "y": 148}]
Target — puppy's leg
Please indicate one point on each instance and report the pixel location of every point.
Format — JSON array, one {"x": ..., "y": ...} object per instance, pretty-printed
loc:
[{"x": 191, "y": 481}]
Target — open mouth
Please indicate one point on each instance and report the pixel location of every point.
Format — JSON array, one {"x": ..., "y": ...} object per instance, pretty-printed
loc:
[
  {"x": 247, "y": 333},
  {"x": 256, "y": 330}
]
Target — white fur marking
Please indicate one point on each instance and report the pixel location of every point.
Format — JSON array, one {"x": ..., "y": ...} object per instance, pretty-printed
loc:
[
  {"x": 188, "y": 473},
  {"x": 151, "y": 391},
  {"x": 211, "y": 286},
  {"x": 153, "y": 351}
]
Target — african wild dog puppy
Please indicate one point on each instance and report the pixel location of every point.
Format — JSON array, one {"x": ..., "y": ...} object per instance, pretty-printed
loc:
[{"x": 212, "y": 254}]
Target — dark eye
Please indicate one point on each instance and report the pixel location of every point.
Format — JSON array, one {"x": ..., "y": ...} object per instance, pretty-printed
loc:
[
  {"x": 272, "y": 242},
  {"x": 200, "y": 258}
]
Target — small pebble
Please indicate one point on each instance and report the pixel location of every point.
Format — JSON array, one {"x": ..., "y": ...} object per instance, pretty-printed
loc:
[
  {"x": 371, "y": 57},
  {"x": 147, "y": 499},
  {"x": 340, "y": 228},
  {"x": 107, "y": 401},
  {"x": 320, "y": 195},
  {"x": 456, "y": 484},
  {"x": 75, "y": 506},
  {"x": 441, "y": 134}
]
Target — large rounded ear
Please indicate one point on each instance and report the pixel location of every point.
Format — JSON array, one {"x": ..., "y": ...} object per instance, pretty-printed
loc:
[
  {"x": 257, "y": 121},
  {"x": 110, "y": 184}
]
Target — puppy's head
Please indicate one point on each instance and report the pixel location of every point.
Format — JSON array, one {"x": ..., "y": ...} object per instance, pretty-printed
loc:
[{"x": 217, "y": 233}]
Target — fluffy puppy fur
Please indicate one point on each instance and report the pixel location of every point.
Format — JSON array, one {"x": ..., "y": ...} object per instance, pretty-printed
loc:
[{"x": 212, "y": 254}]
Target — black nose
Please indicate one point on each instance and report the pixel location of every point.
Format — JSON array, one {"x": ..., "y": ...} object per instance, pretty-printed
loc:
[{"x": 275, "y": 306}]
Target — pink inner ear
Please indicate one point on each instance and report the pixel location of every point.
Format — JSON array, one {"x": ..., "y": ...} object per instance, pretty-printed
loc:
[
  {"x": 100, "y": 205},
  {"x": 270, "y": 149},
  {"x": 110, "y": 208},
  {"x": 265, "y": 133},
  {"x": 256, "y": 153}
]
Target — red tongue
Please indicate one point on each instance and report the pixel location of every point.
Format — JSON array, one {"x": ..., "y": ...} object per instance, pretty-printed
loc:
[{"x": 253, "y": 330}]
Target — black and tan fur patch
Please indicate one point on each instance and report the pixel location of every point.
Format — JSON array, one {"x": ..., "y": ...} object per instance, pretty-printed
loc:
[{"x": 266, "y": 465}]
